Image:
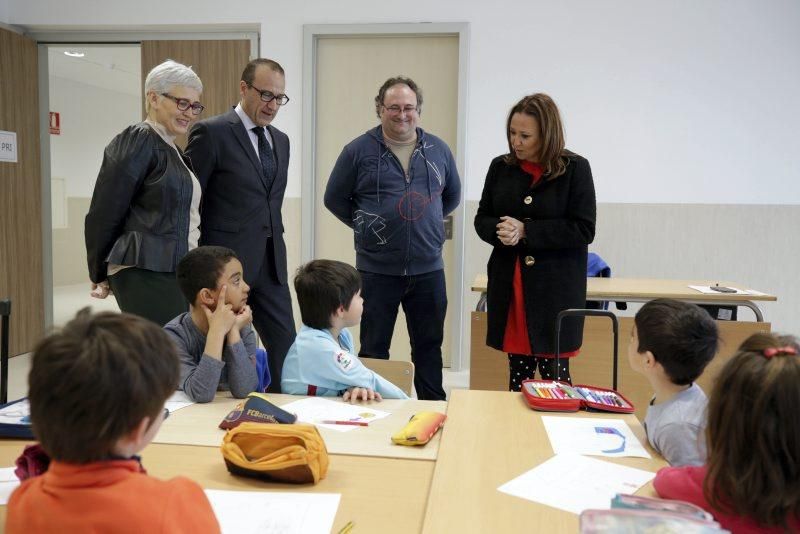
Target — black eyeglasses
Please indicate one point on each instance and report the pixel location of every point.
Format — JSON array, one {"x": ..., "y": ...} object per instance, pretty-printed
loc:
[
  {"x": 268, "y": 96},
  {"x": 184, "y": 103},
  {"x": 397, "y": 110}
]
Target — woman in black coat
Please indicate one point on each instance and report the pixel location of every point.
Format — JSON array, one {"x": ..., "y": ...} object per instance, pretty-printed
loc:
[
  {"x": 144, "y": 216},
  {"x": 538, "y": 212}
]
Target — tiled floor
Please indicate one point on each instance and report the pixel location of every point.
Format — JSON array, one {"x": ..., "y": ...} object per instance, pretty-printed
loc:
[{"x": 69, "y": 299}]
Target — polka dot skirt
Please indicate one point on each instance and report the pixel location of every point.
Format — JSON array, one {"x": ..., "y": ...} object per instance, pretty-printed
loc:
[{"x": 523, "y": 367}]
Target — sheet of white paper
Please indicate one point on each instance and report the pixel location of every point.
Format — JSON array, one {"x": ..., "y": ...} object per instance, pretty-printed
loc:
[
  {"x": 315, "y": 409},
  {"x": 178, "y": 400},
  {"x": 576, "y": 483},
  {"x": 706, "y": 290},
  {"x": 8, "y": 483},
  {"x": 246, "y": 512},
  {"x": 597, "y": 437},
  {"x": 15, "y": 413}
]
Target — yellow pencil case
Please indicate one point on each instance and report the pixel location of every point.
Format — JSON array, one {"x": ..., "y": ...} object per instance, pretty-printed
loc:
[
  {"x": 292, "y": 453},
  {"x": 420, "y": 428}
]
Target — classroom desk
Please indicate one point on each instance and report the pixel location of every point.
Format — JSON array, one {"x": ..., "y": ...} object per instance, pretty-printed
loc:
[
  {"x": 198, "y": 425},
  {"x": 377, "y": 494},
  {"x": 490, "y": 438},
  {"x": 489, "y": 367},
  {"x": 644, "y": 289}
]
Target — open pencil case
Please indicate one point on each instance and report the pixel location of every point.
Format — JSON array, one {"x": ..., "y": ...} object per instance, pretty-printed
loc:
[{"x": 551, "y": 396}]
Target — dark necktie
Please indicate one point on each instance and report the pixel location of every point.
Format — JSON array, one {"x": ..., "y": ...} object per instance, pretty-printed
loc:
[{"x": 265, "y": 155}]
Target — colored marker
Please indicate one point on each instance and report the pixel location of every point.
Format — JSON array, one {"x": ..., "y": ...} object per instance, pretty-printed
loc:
[
  {"x": 617, "y": 400},
  {"x": 612, "y": 398},
  {"x": 352, "y": 423},
  {"x": 570, "y": 392},
  {"x": 591, "y": 396}
]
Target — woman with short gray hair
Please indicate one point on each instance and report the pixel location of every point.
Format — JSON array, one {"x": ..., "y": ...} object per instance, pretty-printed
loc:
[{"x": 144, "y": 216}]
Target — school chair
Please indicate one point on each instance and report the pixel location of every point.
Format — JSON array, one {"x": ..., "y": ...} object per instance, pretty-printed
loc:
[
  {"x": 262, "y": 369},
  {"x": 399, "y": 373},
  {"x": 5, "y": 312},
  {"x": 596, "y": 267}
]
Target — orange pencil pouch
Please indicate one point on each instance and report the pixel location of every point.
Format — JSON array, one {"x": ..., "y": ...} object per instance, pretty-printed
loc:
[
  {"x": 292, "y": 453},
  {"x": 420, "y": 428}
]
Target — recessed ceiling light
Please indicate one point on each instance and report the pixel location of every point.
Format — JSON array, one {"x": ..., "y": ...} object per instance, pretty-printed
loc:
[{"x": 72, "y": 53}]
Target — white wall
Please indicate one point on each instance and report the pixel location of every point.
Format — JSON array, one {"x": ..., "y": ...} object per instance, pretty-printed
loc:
[
  {"x": 90, "y": 118},
  {"x": 681, "y": 101}
]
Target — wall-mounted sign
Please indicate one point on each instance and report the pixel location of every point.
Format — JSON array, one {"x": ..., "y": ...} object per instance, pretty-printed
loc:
[
  {"x": 55, "y": 123},
  {"x": 8, "y": 146}
]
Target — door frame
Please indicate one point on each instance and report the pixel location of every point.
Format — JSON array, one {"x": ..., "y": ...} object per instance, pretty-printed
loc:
[
  {"x": 45, "y": 36},
  {"x": 312, "y": 33}
]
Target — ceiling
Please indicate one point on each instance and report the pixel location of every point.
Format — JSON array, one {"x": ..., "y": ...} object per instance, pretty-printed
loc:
[{"x": 112, "y": 67}]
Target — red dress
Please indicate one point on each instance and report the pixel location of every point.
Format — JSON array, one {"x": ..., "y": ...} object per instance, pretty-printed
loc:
[{"x": 516, "y": 339}]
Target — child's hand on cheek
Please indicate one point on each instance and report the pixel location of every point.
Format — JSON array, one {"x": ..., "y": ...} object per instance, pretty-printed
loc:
[
  {"x": 222, "y": 319},
  {"x": 244, "y": 317}
]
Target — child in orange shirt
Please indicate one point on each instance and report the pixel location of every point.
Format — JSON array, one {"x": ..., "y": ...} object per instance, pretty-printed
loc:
[{"x": 97, "y": 391}]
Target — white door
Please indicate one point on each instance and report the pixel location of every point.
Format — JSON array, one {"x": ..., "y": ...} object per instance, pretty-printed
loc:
[{"x": 349, "y": 71}]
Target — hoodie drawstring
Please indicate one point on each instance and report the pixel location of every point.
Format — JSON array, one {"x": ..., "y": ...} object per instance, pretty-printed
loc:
[
  {"x": 427, "y": 171},
  {"x": 378, "y": 175}
]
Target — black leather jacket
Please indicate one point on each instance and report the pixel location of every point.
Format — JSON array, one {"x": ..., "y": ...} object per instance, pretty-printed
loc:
[{"x": 139, "y": 213}]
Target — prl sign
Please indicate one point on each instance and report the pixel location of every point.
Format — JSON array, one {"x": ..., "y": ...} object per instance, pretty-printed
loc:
[{"x": 8, "y": 147}]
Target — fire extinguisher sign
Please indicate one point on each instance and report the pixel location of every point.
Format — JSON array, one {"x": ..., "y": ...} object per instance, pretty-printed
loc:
[{"x": 55, "y": 123}]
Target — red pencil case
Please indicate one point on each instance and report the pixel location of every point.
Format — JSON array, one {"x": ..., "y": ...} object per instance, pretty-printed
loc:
[{"x": 550, "y": 396}]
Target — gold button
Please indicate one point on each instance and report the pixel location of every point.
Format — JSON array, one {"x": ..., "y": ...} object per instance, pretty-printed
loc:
[
  {"x": 528, "y": 199},
  {"x": 529, "y": 260}
]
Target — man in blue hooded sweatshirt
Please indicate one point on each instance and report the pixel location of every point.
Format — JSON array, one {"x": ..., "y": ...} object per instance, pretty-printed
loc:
[{"x": 393, "y": 186}]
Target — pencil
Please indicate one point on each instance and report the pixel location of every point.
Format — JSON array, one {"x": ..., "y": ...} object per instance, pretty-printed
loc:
[
  {"x": 353, "y": 423},
  {"x": 347, "y": 528}
]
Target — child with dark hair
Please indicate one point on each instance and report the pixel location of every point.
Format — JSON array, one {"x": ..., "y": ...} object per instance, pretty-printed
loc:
[
  {"x": 97, "y": 391},
  {"x": 751, "y": 481},
  {"x": 671, "y": 344},
  {"x": 215, "y": 340},
  {"x": 322, "y": 360}
]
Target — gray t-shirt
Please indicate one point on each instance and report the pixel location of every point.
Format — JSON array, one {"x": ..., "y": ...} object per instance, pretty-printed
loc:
[
  {"x": 202, "y": 375},
  {"x": 676, "y": 428}
]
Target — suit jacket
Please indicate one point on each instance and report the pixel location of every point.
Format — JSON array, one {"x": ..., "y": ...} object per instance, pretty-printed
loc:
[
  {"x": 559, "y": 217},
  {"x": 240, "y": 209}
]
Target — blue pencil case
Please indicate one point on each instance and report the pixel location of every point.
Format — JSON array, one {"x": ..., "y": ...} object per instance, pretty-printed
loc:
[{"x": 550, "y": 396}]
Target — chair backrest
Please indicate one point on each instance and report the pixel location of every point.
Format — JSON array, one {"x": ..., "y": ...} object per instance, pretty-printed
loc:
[
  {"x": 5, "y": 313},
  {"x": 399, "y": 373}
]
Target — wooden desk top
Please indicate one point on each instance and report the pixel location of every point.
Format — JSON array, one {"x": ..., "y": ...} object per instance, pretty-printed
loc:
[
  {"x": 491, "y": 437},
  {"x": 377, "y": 494},
  {"x": 198, "y": 425},
  {"x": 647, "y": 288}
]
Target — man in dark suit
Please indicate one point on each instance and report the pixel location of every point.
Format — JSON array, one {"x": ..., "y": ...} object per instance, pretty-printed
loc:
[{"x": 241, "y": 162}]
